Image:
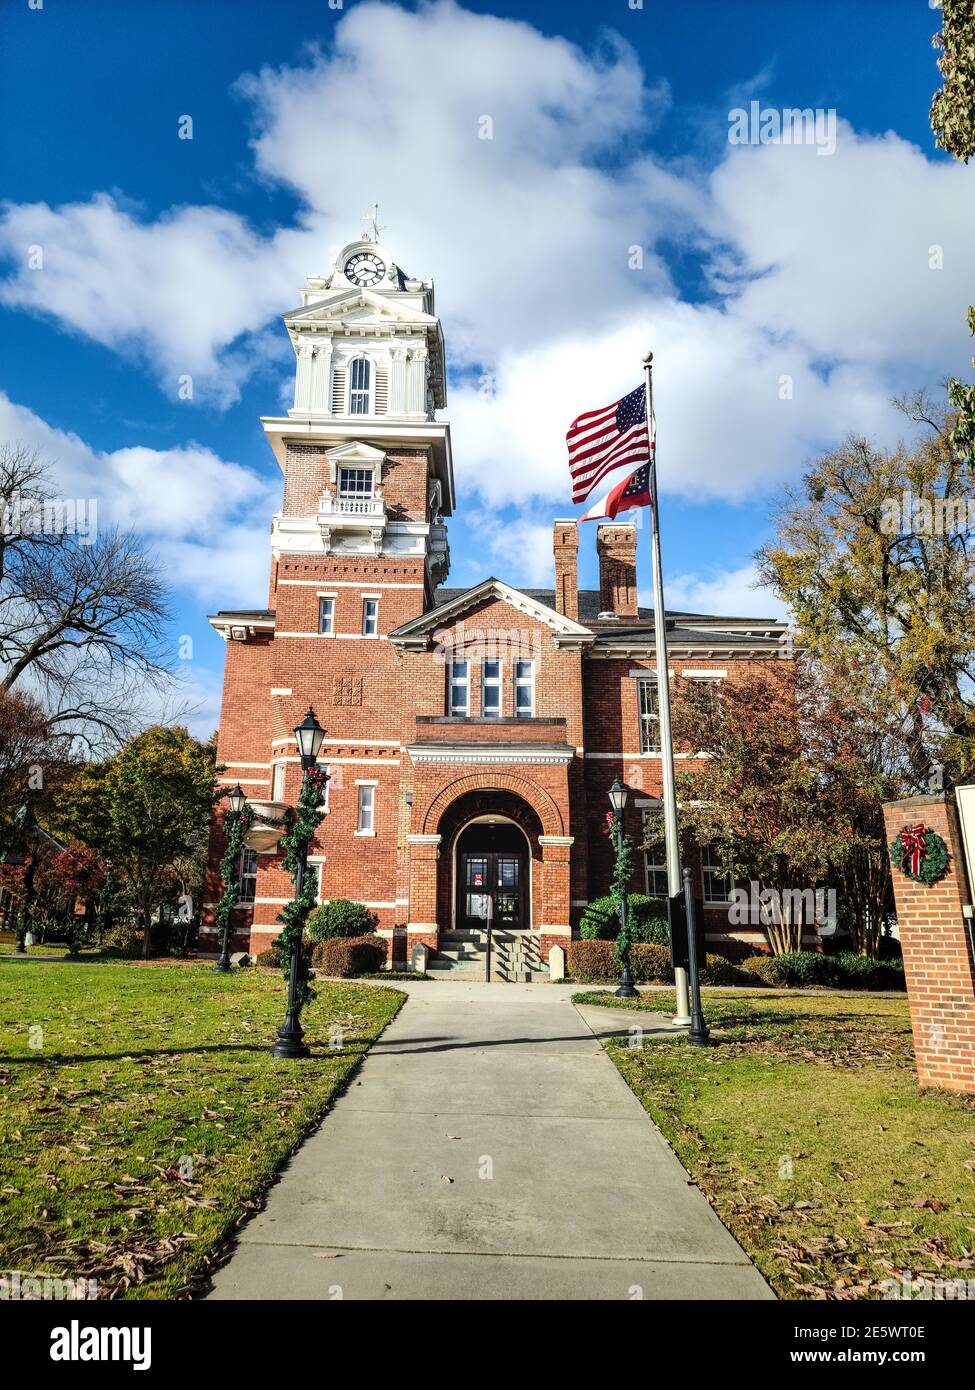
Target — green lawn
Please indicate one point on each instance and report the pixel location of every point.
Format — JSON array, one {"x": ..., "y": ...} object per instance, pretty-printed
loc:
[
  {"x": 141, "y": 1116},
  {"x": 805, "y": 1128}
]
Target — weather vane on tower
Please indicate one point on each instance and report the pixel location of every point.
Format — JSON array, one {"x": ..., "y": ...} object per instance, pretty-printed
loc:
[{"x": 373, "y": 217}]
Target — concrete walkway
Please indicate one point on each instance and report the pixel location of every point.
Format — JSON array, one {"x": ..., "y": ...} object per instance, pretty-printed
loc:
[{"x": 488, "y": 1149}]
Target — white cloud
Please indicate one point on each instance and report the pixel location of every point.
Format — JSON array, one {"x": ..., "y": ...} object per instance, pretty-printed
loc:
[
  {"x": 728, "y": 593},
  {"x": 177, "y": 292},
  {"x": 819, "y": 266},
  {"x": 205, "y": 517},
  {"x": 841, "y": 248},
  {"x": 521, "y": 548}
]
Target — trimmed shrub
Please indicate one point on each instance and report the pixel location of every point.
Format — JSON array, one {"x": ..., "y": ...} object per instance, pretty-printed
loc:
[
  {"x": 765, "y": 967},
  {"x": 591, "y": 962},
  {"x": 600, "y": 920},
  {"x": 861, "y": 972},
  {"x": 594, "y": 963},
  {"x": 845, "y": 970},
  {"x": 340, "y": 918},
  {"x": 125, "y": 939},
  {"x": 718, "y": 970},
  {"x": 650, "y": 961},
  {"x": 269, "y": 958},
  {"x": 347, "y": 956}
]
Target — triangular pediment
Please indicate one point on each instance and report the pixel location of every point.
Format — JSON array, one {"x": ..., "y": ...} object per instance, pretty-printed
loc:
[
  {"x": 418, "y": 631},
  {"x": 355, "y": 452},
  {"x": 359, "y": 306}
]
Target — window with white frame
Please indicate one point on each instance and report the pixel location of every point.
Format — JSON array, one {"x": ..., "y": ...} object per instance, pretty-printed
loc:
[
  {"x": 491, "y": 690},
  {"x": 654, "y": 864},
  {"x": 356, "y": 482},
  {"x": 716, "y": 878},
  {"x": 360, "y": 386},
  {"x": 278, "y": 778},
  {"x": 326, "y": 616},
  {"x": 649, "y": 708},
  {"x": 247, "y": 881},
  {"x": 460, "y": 688},
  {"x": 370, "y": 617},
  {"x": 366, "y": 815},
  {"x": 315, "y": 868},
  {"x": 712, "y": 685},
  {"x": 524, "y": 689}
]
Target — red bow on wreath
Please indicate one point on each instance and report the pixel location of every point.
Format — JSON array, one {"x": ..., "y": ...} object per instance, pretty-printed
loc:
[{"x": 912, "y": 842}]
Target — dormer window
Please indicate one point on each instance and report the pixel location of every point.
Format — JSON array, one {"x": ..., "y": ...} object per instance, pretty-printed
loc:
[
  {"x": 360, "y": 386},
  {"x": 355, "y": 482}
]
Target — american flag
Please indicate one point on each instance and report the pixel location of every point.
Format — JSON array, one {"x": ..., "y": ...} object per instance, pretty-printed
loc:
[{"x": 601, "y": 440}]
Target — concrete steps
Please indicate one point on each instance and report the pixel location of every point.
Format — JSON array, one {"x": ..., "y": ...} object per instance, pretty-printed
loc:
[{"x": 514, "y": 957}]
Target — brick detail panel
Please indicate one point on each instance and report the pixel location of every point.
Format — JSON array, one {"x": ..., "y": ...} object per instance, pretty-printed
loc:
[{"x": 937, "y": 952}]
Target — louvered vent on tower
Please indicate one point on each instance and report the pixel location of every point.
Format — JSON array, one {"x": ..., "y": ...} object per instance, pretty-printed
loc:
[
  {"x": 338, "y": 391},
  {"x": 382, "y": 391}
]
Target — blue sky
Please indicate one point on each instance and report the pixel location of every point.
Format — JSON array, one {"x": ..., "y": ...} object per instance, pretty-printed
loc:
[{"x": 165, "y": 256}]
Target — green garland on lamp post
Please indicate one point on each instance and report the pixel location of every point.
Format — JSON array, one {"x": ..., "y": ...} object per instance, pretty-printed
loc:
[
  {"x": 304, "y": 821},
  {"x": 620, "y": 890},
  {"x": 239, "y": 820}
]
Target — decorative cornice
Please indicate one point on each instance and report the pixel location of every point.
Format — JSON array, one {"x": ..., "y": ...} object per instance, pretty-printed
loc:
[{"x": 480, "y": 754}]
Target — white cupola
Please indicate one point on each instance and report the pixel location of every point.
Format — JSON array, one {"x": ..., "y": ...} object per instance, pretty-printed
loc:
[{"x": 367, "y": 342}]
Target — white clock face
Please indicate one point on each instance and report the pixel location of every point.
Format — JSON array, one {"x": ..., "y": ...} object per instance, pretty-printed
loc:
[{"x": 364, "y": 268}]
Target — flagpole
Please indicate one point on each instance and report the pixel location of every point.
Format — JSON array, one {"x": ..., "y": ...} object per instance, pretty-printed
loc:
[{"x": 675, "y": 901}]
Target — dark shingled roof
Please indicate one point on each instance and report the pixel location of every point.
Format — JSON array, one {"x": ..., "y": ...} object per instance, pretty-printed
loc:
[{"x": 681, "y": 625}]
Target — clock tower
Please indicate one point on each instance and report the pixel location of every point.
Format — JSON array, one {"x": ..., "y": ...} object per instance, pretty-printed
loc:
[{"x": 366, "y": 462}]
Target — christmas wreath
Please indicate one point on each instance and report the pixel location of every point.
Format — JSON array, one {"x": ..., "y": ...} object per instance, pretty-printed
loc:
[{"x": 920, "y": 853}]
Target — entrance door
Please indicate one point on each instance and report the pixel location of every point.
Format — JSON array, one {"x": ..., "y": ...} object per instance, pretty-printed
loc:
[{"x": 492, "y": 869}]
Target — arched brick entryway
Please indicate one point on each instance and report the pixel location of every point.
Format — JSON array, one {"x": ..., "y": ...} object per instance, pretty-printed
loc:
[
  {"x": 486, "y": 792},
  {"x": 488, "y": 780}
]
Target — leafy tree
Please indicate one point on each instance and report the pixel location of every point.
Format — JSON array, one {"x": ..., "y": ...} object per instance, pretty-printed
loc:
[
  {"x": 758, "y": 796},
  {"x": 953, "y": 122},
  {"x": 62, "y": 878},
  {"x": 858, "y": 769},
  {"x": 873, "y": 554},
  {"x": 25, "y": 750},
  {"x": 149, "y": 808}
]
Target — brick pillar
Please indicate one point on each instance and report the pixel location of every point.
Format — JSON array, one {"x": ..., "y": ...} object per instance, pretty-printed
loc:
[
  {"x": 937, "y": 955},
  {"x": 422, "y": 926},
  {"x": 552, "y": 912},
  {"x": 616, "y": 548},
  {"x": 565, "y": 543}
]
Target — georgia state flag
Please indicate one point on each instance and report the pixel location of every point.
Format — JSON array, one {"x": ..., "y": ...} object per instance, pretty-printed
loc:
[{"x": 633, "y": 491}]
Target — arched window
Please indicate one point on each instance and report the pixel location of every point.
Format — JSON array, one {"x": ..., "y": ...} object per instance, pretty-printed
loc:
[{"x": 360, "y": 383}]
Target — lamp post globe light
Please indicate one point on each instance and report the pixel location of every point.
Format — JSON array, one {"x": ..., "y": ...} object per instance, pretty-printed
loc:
[
  {"x": 309, "y": 736},
  {"x": 236, "y": 801},
  {"x": 617, "y": 800}
]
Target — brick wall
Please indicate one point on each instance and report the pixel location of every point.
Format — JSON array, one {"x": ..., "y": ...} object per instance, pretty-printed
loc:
[
  {"x": 937, "y": 954},
  {"x": 376, "y": 700}
]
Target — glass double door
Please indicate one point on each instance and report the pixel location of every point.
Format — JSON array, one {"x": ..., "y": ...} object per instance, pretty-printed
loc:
[{"x": 492, "y": 874}]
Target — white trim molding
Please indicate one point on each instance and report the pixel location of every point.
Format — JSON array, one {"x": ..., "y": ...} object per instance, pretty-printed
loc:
[
  {"x": 423, "y": 840},
  {"x": 556, "y": 839},
  {"x": 452, "y": 754}
]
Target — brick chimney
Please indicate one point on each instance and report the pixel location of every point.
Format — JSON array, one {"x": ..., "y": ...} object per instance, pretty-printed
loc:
[
  {"x": 565, "y": 542},
  {"x": 616, "y": 548}
]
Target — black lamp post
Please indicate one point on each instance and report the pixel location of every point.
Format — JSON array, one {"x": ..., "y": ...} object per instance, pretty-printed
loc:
[
  {"x": 697, "y": 1034},
  {"x": 309, "y": 736},
  {"x": 236, "y": 801},
  {"x": 617, "y": 799}
]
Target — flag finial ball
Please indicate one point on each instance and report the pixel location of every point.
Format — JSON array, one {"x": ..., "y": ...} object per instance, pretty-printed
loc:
[{"x": 648, "y": 358}]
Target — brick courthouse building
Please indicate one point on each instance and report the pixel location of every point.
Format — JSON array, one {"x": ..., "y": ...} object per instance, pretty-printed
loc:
[{"x": 471, "y": 734}]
